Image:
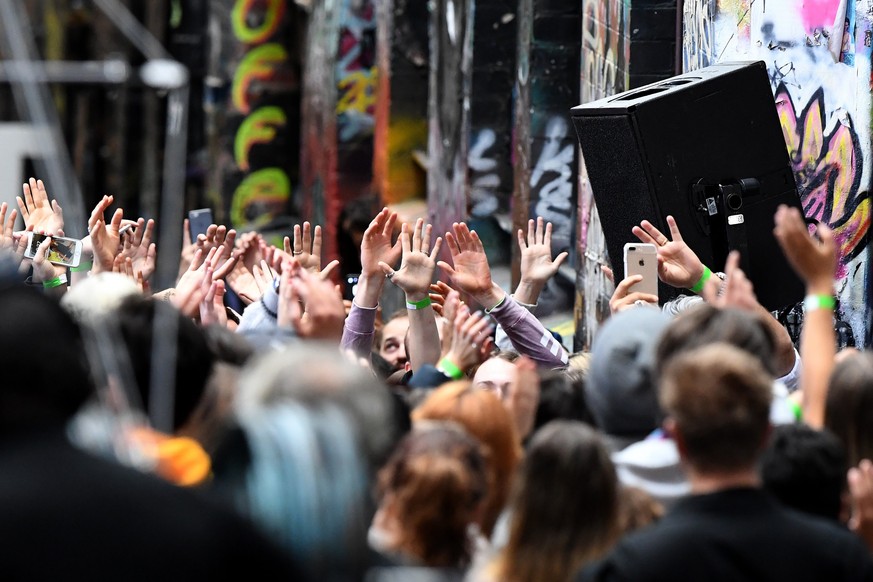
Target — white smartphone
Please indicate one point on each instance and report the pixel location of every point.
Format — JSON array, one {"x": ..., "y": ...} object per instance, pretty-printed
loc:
[
  {"x": 62, "y": 251},
  {"x": 642, "y": 259}
]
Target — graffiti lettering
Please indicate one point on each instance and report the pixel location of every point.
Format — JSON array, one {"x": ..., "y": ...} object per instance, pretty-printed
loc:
[
  {"x": 828, "y": 169},
  {"x": 261, "y": 64},
  {"x": 356, "y": 72},
  {"x": 555, "y": 164},
  {"x": 603, "y": 48},
  {"x": 260, "y": 195},
  {"x": 259, "y": 127},
  {"x": 698, "y": 34},
  {"x": 244, "y": 12},
  {"x": 483, "y": 173}
]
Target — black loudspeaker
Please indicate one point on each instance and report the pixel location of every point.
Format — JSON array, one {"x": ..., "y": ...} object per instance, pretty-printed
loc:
[{"x": 705, "y": 147}]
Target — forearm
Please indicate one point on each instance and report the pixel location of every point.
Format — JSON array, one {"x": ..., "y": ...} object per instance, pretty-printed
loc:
[
  {"x": 528, "y": 291},
  {"x": 528, "y": 336},
  {"x": 359, "y": 330},
  {"x": 817, "y": 349},
  {"x": 369, "y": 290},
  {"x": 424, "y": 338},
  {"x": 784, "y": 348}
]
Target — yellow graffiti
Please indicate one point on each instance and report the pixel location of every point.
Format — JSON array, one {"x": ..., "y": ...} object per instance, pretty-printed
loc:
[
  {"x": 242, "y": 9},
  {"x": 260, "y": 195},
  {"x": 262, "y": 63},
  {"x": 358, "y": 90},
  {"x": 259, "y": 127}
]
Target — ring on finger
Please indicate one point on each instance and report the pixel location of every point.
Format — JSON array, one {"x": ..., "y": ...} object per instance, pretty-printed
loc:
[{"x": 664, "y": 242}]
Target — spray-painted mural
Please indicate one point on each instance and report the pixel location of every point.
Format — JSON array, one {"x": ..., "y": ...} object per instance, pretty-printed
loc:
[
  {"x": 263, "y": 115},
  {"x": 818, "y": 57}
]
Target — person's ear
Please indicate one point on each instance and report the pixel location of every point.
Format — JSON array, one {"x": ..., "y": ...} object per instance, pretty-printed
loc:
[
  {"x": 407, "y": 366},
  {"x": 672, "y": 431}
]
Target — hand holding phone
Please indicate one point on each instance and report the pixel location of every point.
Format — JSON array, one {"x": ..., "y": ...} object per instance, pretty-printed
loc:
[
  {"x": 642, "y": 259},
  {"x": 62, "y": 251}
]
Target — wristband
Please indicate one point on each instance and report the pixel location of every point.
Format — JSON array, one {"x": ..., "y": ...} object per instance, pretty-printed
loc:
[
  {"x": 447, "y": 367},
  {"x": 417, "y": 305},
  {"x": 56, "y": 282},
  {"x": 499, "y": 303},
  {"x": 82, "y": 267},
  {"x": 813, "y": 302},
  {"x": 698, "y": 287}
]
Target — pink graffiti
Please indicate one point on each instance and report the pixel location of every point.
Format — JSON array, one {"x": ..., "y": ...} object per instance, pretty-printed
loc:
[{"x": 818, "y": 13}]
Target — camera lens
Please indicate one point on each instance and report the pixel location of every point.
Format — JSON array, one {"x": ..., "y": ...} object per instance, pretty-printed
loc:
[{"x": 734, "y": 201}]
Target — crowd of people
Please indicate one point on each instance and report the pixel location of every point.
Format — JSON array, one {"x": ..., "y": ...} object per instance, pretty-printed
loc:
[{"x": 249, "y": 423}]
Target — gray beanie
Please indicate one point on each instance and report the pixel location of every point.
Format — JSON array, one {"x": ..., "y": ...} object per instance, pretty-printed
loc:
[{"x": 621, "y": 392}]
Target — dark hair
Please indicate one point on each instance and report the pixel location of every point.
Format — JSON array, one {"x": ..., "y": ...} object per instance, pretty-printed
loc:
[
  {"x": 705, "y": 324},
  {"x": 45, "y": 374},
  {"x": 227, "y": 347},
  {"x": 849, "y": 408},
  {"x": 435, "y": 482},
  {"x": 562, "y": 397},
  {"x": 719, "y": 397},
  {"x": 805, "y": 469},
  {"x": 194, "y": 360},
  {"x": 564, "y": 505}
]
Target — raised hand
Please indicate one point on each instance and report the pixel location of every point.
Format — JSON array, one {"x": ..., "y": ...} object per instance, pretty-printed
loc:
[
  {"x": 105, "y": 238},
  {"x": 139, "y": 248},
  {"x": 471, "y": 333},
  {"x": 471, "y": 273},
  {"x": 622, "y": 297},
  {"x": 217, "y": 236},
  {"x": 736, "y": 290},
  {"x": 376, "y": 245},
  {"x": 38, "y": 212},
  {"x": 8, "y": 240},
  {"x": 678, "y": 265},
  {"x": 212, "y": 307},
  {"x": 43, "y": 270},
  {"x": 324, "y": 313},
  {"x": 537, "y": 266},
  {"x": 306, "y": 248},
  {"x": 815, "y": 261},
  {"x": 417, "y": 265}
]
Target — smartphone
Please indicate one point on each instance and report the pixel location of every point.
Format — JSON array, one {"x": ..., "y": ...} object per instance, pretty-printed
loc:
[
  {"x": 198, "y": 221},
  {"x": 62, "y": 251},
  {"x": 642, "y": 259},
  {"x": 350, "y": 289}
]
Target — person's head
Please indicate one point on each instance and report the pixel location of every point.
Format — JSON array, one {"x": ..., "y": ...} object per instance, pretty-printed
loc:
[
  {"x": 704, "y": 324},
  {"x": 497, "y": 374},
  {"x": 483, "y": 416},
  {"x": 562, "y": 397},
  {"x": 849, "y": 408},
  {"x": 136, "y": 317},
  {"x": 564, "y": 505},
  {"x": 717, "y": 399},
  {"x": 805, "y": 469},
  {"x": 620, "y": 389},
  {"x": 43, "y": 362},
  {"x": 391, "y": 341},
  {"x": 430, "y": 491},
  {"x": 312, "y": 428}
]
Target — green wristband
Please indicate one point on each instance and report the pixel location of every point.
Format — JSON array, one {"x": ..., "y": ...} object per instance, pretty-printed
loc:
[
  {"x": 83, "y": 267},
  {"x": 813, "y": 302},
  {"x": 416, "y": 305},
  {"x": 52, "y": 283},
  {"x": 449, "y": 368},
  {"x": 698, "y": 287}
]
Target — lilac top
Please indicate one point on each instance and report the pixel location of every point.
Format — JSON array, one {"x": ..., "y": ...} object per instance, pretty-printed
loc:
[
  {"x": 528, "y": 336},
  {"x": 359, "y": 330}
]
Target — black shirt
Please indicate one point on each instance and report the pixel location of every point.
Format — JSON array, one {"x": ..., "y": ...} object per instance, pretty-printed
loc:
[{"x": 736, "y": 534}]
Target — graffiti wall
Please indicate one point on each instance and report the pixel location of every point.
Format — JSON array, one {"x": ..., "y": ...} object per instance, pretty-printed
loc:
[
  {"x": 818, "y": 57},
  {"x": 255, "y": 48},
  {"x": 401, "y": 110},
  {"x": 625, "y": 44}
]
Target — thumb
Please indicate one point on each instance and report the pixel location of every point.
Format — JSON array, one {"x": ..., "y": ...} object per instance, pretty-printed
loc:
[
  {"x": 449, "y": 270},
  {"x": 386, "y": 268},
  {"x": 559, "y": 260}
]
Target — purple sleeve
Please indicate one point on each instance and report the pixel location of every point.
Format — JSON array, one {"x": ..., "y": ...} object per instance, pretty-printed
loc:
[
  {"x": 359, "y": 330},
  {"x": 528, "y": 336}
]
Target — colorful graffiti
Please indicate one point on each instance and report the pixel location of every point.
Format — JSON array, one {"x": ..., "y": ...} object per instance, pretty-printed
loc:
[
  {"x": 356, "y": 71},
  {"x": 605, "y": 48},
  {"x": 828, "y": 171},
  {"x": 261, "y": 82}
]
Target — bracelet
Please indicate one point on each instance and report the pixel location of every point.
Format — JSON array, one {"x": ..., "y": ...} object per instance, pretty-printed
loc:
[
  {"x": 82, "y": 267},
  {"x": 417, "y": 305},
  {"x": 698, "y": 287},
  {"x": 56, "y": 282},
  {"x": 499, "y": 303},
  {"x": 448, "y": 367},
  {"x": 813, "y": 302}
]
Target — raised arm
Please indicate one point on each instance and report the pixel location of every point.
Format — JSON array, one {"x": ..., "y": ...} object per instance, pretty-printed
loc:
[
  {"x": 359, "y": 328},
  {"x": 537, "y": 266},
  {"x": 816, "y": 262},
  {"x": 414, "y": 277},
  {"x": 472, "y": 275}
]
